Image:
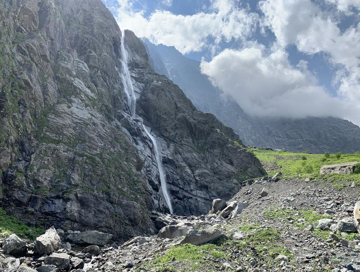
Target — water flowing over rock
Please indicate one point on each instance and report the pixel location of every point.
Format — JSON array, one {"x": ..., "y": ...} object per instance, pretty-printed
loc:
[
  {"x": 161, "y": 171},
  {"x": 126, "y": 78}
]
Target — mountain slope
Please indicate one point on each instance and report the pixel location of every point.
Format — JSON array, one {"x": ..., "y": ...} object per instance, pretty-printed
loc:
[
  {"x": 70, "y": 153},
  {"x": 316, "y": 135}
]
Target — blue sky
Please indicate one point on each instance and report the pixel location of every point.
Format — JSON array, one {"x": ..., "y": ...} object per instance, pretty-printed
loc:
[{"x": 303, "y": 54}]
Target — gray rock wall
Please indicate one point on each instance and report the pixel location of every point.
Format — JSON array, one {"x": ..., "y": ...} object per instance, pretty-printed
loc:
[{"x": 70, "y": 155}]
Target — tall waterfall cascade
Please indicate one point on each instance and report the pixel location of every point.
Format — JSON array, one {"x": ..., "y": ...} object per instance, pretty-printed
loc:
[
  {"x": 126, "y": 78},
  {"x": 131, "y": 96},
  {"x": 161, "y": 170}
]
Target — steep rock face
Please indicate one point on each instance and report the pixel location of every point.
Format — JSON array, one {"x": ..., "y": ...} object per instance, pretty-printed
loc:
[
  {"x": 316, "y": 135},
  {"x": 71, "y": 155}
]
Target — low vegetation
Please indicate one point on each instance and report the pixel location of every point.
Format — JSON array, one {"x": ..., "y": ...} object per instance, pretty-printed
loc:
[
  {"x": 11, "y": 225},
  {"x": 305, "y": 165}
]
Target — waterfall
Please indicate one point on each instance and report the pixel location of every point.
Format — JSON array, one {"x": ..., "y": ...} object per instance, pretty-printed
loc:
[
  {"x": 161, "y": 171},
  {"x": 131, "y": 96},
  {"x": 126, "y": 78}
]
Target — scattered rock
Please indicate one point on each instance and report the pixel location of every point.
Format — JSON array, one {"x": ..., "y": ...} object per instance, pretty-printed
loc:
[
  {"x": 347, "y": 226},
  {"x": 93, "y": 250},
  {"x": 276, "y": 177},
  {"x": 60, "y": 260},
  {"x": 47, "y": 268},
  {"x": 92, "y": 237},
  {"x": 263, "y": 193},
  {"x": 282, "y": 258},
  {"x": 48, "y": 242},
  {"x": 10, "y": 264},
  {"x": 13, "y": 245},
  {"x": 173, "y": 231},
  {"x": 229, "y": 209},
  {"x": 324, "y": 224},
  {"x": 25, "y": 269},
  {"x": 199, "y": 237},
  {"x": 217, "y": 205},
  {"x": 77, "y": 263}
]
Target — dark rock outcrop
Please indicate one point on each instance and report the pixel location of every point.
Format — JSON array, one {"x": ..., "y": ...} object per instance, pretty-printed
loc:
[{"x": 71, "y": 155}]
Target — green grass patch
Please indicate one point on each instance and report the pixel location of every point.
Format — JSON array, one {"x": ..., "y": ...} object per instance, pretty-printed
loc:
[
  {"x": 186, "y": 258},
  {"x": 11, "y": 225},
  {"x": 264, "y": 246},
  {"x": 293, "y": 165}
]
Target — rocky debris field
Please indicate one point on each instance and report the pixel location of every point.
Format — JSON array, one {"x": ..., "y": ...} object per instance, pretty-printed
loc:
[{"x": 270, "y": 225}]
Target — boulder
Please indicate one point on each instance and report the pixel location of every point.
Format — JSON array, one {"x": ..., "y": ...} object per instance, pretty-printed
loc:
[
  {"x": 48, "y": 242},
  {"x": 93, "y": 250},
  {"x": 25, "y": 269},
  {"x": 217, "y": 205},
  {"x": 173, "y": 231},
  {"x": 357, "y": 216},
  {"x": 92, "y": 237},
  {"x": 47, "y": 268},
  {"x": 239, "y": 209},
  {"x": 344, "y": 168},
  {"x": 346, "y": 225},
  {"x": 10, "y": 264},
  {"x": 199, "y": 237},
  {"x": 263, "y": 193},
  {"x": 276, "y": 177},
  {"x": 229, "y": 209},
  {"x": 325, "y": 224},
  {"x": 13, "y": 245},
  {"x": 77, "y": 263},
  {"x": 60, "y": 260}
]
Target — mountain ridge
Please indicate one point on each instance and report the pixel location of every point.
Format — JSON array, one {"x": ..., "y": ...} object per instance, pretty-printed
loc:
[{"x": 313, "y": 134}]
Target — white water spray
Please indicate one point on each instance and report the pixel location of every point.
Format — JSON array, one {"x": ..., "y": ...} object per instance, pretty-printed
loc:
[
  {"x": 161, "y": 171},
  {"x": 126, "y": 78}
]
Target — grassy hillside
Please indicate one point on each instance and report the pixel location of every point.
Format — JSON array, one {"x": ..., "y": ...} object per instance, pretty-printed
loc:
[{"x": 294, "y": 165}]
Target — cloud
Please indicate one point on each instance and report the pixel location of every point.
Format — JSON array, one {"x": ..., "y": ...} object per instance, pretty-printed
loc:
[
  {"x": 267, "y": 85},
  {"x": 167, "y": 3},
  {"x": 345, "y": 5},
  {"x": 304, "y": 24},
  {"x": 189, "y": 33}
]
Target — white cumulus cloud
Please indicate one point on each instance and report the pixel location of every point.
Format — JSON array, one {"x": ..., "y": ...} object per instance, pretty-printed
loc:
[
  {"x": 267, "y": 85},
  {"x": 345, "y": 5},
  {"x": 189, "y": 33}
]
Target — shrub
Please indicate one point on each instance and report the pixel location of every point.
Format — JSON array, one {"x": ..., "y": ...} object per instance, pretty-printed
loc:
[
  {"x": 357, "y": 169},
  {"x": 338, "y": 155},
  {"x": 327, "y": 155},
  {"x": 308, "y": 169},
  {"x": 304, "y": 158}
]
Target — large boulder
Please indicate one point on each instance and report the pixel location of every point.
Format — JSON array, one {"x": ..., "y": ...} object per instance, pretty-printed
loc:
[
  {"x": 13, "y": 245},
  {"x": 173, "y": 231},
  {"x": 199, "y": 237},
  {"x": 217, "y": 205},
  {"x": 344, "y": 168},
  {"x": 91, "y": 237},
  {"x": 225, "y": 213},
  {"x": 60, "y": 260},
  {"x": 48, "y": 242},
  {"x": 346, "y": 225}
]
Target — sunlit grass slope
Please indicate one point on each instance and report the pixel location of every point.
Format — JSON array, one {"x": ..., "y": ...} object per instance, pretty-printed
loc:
[{"x": 294, "y": 165}]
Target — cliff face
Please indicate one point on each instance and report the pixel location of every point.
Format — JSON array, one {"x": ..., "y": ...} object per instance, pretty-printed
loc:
[
  {"x": 70, "y": 153},
  {"x": 317, "y": 135}
]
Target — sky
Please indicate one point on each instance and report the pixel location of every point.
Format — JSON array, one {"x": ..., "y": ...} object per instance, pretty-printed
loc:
[{"x": 276, "y": 58}]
